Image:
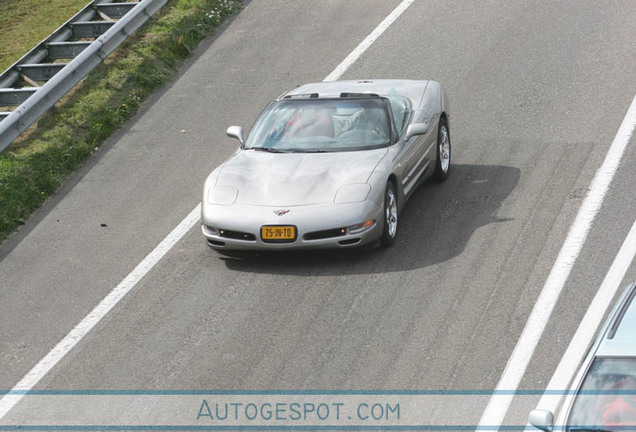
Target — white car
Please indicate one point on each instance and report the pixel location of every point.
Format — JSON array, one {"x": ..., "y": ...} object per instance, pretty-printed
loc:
[
  {"x": 605, "y": 399},
  {"x": 328, "y": 165}
]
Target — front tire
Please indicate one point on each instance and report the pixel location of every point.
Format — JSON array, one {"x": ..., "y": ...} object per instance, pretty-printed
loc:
[
  {"x": 442, "y": 164},
  {"x": 389, "y": 233}
]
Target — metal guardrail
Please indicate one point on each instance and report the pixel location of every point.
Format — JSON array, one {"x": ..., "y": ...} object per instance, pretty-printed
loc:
[{"x": 107, "y": 21}]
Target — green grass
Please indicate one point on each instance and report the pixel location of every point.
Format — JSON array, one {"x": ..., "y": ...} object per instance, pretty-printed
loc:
[
  {"x": 39, "y": 162},
  {"x": 25, "y": 23}
]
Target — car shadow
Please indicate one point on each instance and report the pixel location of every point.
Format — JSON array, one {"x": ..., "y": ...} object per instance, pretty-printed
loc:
[{"x": 435, "y": 226}]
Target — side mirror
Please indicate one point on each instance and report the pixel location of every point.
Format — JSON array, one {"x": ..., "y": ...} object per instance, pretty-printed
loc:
[
  {"x": 415, "y": 129},
  {"x": 236, "y": 132},
  {"x": 541, "y": 419}
]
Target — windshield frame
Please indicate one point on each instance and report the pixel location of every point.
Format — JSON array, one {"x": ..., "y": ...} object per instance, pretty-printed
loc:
[
  {"x": 382, "y": 101},
  {"x": 396, "y": 96}
]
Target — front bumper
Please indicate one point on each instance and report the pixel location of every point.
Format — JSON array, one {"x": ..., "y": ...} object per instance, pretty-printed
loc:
[{"x": 318, "y": 226}]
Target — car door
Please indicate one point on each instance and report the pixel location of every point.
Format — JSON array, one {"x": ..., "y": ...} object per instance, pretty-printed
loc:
[{"x": 415, "y": 156}]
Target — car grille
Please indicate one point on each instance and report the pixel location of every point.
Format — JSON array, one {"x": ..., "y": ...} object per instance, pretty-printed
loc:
[
  {"x": 318, "y": 235},
  {"x": 236, "y": 235}
]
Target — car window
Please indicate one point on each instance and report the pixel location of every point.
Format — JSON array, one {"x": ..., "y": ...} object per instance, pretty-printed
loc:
[
  {"x": 607, "y": 398},
  {"x": 401, "y": 110},
  {"x": 322, "y": 125}
]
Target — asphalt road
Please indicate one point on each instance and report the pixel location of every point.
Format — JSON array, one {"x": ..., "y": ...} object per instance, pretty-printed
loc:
[{"x": 538, "y": 90}]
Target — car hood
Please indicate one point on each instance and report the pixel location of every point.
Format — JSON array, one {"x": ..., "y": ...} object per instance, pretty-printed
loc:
[{"x": 287, "y": 179}]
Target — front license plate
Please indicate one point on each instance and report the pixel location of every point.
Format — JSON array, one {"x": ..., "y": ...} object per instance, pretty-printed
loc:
[{"x": 278, "y": 233}]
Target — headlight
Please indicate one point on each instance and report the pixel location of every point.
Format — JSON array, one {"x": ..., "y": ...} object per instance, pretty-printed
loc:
[
  {"x": 352, "y": 193},
  {"x": 222, "y": 195}
]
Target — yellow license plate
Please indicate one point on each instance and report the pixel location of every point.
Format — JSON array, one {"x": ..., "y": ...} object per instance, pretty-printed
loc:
[{"x": 278, "y": 233}]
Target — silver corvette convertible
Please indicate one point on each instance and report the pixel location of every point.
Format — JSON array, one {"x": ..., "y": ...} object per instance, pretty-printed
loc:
[{"x": 328, "y": 165}]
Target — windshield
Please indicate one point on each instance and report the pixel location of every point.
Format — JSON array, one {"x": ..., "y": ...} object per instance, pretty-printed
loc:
[
  {"x": 607, "y": 398},
  {"x": 322, "y": 125}
]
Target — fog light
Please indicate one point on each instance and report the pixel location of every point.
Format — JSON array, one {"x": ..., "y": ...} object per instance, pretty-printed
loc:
[
  {"x": 211, "y": 230},
  {"x": 361, "y": 227}
]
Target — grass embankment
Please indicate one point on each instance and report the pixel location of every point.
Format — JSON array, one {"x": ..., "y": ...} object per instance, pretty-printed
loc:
[
  {"x": 38, "y": 163},
  {"x": 25, "y": 23}
]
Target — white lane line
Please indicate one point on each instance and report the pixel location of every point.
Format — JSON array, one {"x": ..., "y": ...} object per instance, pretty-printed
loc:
[
  {"x": 498, "y": 404},
  {"x": 31, "y": 379},
  {"x": 95, "y": 316},
  {"x": 368, "y": 41},
  {"x": 589, "y": 325}
]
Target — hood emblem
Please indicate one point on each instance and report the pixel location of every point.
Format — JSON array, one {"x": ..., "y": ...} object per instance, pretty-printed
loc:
[{"x": 280, "y": 212}]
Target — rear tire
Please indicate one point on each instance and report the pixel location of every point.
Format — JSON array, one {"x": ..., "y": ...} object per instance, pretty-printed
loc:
[
  {"x": 442, "y": 164},
  {"x": 390, "y": 222}
]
